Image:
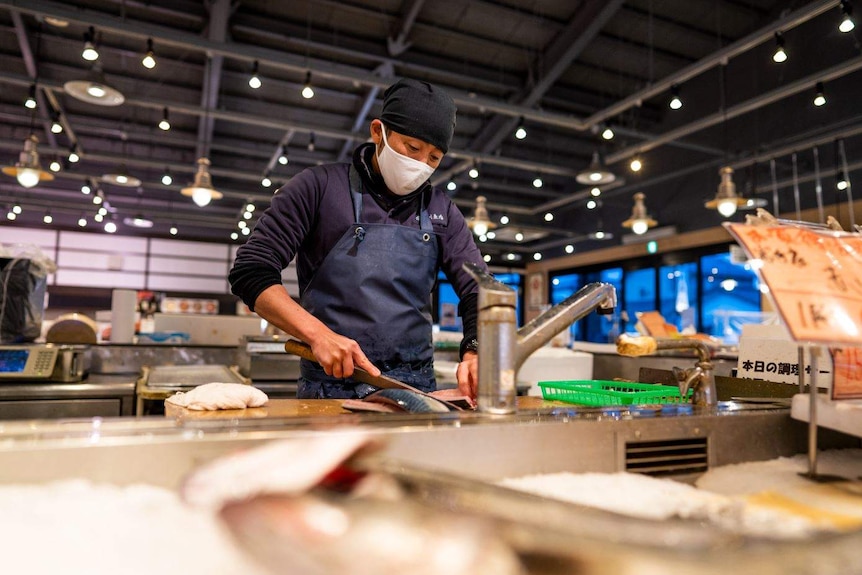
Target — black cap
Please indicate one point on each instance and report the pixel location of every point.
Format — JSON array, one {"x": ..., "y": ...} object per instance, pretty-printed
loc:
[{"x": 419, "y": 110}]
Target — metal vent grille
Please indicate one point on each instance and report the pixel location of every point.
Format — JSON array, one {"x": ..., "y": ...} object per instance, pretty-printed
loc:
[{"x": 669, "y": 457}]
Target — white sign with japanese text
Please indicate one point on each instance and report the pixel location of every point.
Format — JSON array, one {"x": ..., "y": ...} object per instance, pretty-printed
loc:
[{"x": 766, "y": 352}]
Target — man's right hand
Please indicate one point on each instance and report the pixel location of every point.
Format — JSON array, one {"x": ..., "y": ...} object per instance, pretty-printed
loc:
[{"x": 339, "y": 355}]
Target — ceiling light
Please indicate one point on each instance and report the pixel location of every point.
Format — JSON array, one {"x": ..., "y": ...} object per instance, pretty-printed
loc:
[
  {"x": 636, "y": 164},
  {"x": 537, "y": 256},
  {"x": 521, "y": 131},
  {"x": 266, "y": 182},
  {"x": 639, "y": 222},
  {"x": 202, "y": 191},
  {"x": 519, "y": 237},
  {"x": 474, "y": 171},
  {"x": 47, "y": 218},
  {"x": 82, "y": 221},
  {"x": 599, "y": 234},
  {"x": 608, "y": 133},
  {"x": 504, "y": 220},
  {"x": 847, "y": 24},
  {"x": 595, "y": 192},
  {"x": 57, "y": 22},
  {"x": 596, "y": 173},
  {"x": 480, "y": 223},
  {"x": 549, "y": 217},
  {"x": 254, "y": 81},
  {"x": 56, "y": 126},
  {"x": 165, "y": 124},
  {"x": 675, "y": 103},
  {"x": 99, "y": 217},
  {"x": 819, "y": 97},
  {"x": 94, "y": 89},
  {"x": 486, "y": 258},
  {"x": 102, "y": 211},
  {"x": 167, "y": 180},
  {"x": 90, "y": 54},
  {"x": 10, "y": 215},
  {"x": 249, "y": 207},
  {"x": 54, "y": 166},
  {"x": 841, "y": 185},
  {"x": 451, "y": 186},
  {"x": 307, "y": 90},
  {"x": 570, "y": 249},
  {"x": 234, "y": 235},
  {"x": 779, "y": 55},
  {"x": 27, "y": 170},
  {"x": 74, "y": 156},
  {"x": 111, "y": 227},
  {"x": 85, "y": 189},
  {"x": 592, "y": 204},
  {"x": 241, "y": 224},
  {"x": 726, "y": 201},
  {"x": 247, "y": 215},
  {"x": 139, "y": 221},
  {"x": 122, "y": 178},
  {"x": 246, "y": 231},
  {"x": 282, "y": 159},
  {"x": 491, "y": 235},
  {"x": 16, "y": 209},
  {"x": 30, "y": 102},
  {"x": 538, "y": 183},
  {"x": 173, "y": 231},
  {"x": 98, "y": 198},
  {"x": 149, "y": 61}
]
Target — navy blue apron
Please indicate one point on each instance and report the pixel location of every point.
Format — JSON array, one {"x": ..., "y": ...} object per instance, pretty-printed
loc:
[{"x": 375, "y": 287}]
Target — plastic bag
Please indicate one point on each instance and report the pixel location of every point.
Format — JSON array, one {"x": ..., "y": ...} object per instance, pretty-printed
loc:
[{"x": 24, "y": 273}]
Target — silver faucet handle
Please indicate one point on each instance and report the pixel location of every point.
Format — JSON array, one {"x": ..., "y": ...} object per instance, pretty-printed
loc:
[{"x": 491, "y": 291}]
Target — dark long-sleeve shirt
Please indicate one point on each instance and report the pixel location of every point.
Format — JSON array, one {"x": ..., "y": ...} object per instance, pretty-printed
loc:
[{"x": 310, "y": 213}]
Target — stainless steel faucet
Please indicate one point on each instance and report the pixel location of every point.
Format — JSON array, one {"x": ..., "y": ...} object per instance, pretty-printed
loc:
[
  {"x": 699, "y": 378},
  {"x": 503, "y": 347}
]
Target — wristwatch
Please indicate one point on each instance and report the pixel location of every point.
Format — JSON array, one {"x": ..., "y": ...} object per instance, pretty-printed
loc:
[{"x": 469, "y": 345}]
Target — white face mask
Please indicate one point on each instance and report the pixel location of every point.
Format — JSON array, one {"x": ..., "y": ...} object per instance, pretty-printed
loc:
[{"x": 401, "y": 174}]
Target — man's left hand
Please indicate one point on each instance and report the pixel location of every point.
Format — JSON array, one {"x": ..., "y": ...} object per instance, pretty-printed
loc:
[{"x": 468, "y": 375}]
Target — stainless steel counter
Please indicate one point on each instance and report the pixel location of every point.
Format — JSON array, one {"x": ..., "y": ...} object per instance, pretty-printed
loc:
[
  {"x": 98, "y": 395},
  {"x": 453, "y": 460}
]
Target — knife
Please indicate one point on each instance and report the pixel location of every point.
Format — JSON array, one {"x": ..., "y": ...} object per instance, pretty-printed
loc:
[{"x": 303, "y": 350}]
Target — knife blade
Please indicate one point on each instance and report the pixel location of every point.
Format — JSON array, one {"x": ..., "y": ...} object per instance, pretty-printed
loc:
[{"x": 303, "y": 350}]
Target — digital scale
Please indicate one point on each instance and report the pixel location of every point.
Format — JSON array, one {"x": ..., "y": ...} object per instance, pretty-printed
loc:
[{"x": 63, "y": 363}]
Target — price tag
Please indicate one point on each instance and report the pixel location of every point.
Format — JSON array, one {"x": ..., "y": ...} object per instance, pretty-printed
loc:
[{"x": 847, "y": 365}]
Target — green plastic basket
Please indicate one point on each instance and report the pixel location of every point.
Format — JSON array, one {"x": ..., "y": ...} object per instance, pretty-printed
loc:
[{"x": 597, "y": 392}]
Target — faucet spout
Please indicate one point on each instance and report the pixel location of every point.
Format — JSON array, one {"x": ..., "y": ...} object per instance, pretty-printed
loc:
[
  {"x": 601, "y": 297},
  {"x": 503, "y": 348}
]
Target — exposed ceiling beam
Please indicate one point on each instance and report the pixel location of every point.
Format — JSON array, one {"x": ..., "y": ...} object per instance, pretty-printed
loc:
[
  {"x": 33, "y": 72},
  {"x": 219, "y": 16},
  {"x": 806, "y": 83},
  {"x": 586, "y": 23}
]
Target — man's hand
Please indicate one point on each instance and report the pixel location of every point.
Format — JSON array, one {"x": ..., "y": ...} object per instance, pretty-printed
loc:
[
  {"x": 339, "y": 355},
  {"x": 468, "y": 375}
]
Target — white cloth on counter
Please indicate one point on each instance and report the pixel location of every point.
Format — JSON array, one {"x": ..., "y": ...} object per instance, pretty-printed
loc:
[{"x": 213, "y": 396}]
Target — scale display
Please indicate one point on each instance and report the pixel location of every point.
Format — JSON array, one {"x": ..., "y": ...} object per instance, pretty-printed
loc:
[
  {"x": 13, "y": 360},
  {"x": 32, "y": 362}
]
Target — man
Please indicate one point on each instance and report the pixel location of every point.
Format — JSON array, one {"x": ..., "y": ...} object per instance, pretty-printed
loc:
[{"x": 369, "y": 238}]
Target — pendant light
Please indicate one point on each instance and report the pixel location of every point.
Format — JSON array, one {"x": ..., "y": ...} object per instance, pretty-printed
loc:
[
  {"x": 480, "y": 223},
  {"x": 726, "y": 201},
  {"x": 27, "y": 170},
  {"x": 201, "y": 191},
  {"x": 94, "y": 89},
  {"x": 121, "y": 178},
  {"x": 596, "y": 173},
  {"x": 640, "y": 221}
]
